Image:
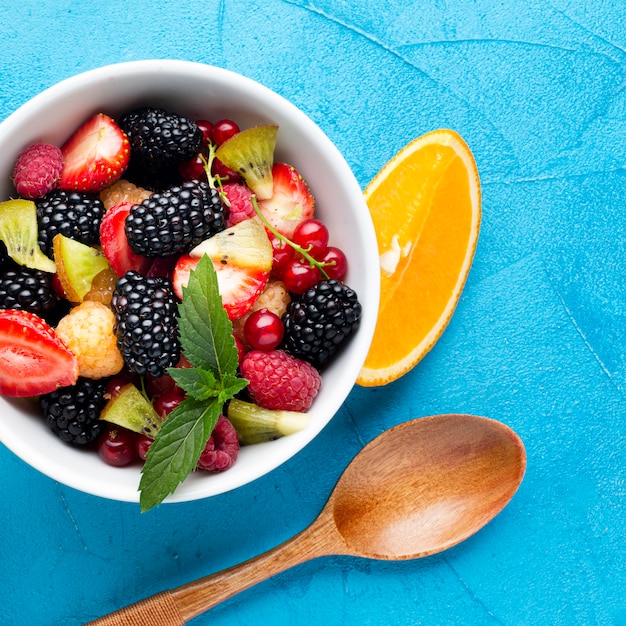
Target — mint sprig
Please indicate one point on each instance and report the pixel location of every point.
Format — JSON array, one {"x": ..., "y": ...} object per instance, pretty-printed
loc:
[{"x": 206, "y": 337}]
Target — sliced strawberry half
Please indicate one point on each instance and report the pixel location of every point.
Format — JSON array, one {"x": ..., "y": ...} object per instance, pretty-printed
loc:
[
  {"x": 33, "y": 360},
  {"x": 292, "y": 201},
  {"x": 95, "y": 156},
  {"x": 115, "y": 244},
  {"x": 242, "y": 258}
]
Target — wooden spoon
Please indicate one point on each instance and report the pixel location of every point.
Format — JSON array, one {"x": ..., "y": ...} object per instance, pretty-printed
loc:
[{"x": 417, "y": 489}]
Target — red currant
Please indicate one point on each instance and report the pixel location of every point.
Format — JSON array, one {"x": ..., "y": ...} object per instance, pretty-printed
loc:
[
  {"x": 142, "y": 445},
  {"x": 338, "y": 267},
  {"x": 168, "y": 401},
  {"x": 225, "y": 174},
  {"x": 115, "y": 384},
  {"x": 223, "y": 130},
  {"x": 192, "y": 169},
  {"x": 312, "y": 236},
  {"x": 282, "y": 254},
  {"x": 263, "y": 330},
  {"x": 299, "y": 275},
  {"x": 207, "y": 129},
  {"x": 116, "y": 446}
]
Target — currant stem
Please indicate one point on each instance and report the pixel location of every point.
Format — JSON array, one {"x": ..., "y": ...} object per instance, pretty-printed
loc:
[{"x": 313, "y": 261}]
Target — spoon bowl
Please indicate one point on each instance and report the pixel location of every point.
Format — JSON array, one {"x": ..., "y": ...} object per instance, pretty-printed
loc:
[{"x": 417, "y": 489}]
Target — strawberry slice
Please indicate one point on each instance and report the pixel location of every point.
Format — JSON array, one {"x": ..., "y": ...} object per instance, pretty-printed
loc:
[
  {"x": 242, "y": 258},
  {"x": 292, "y": 201},
  {"x": 115, "y": 244},
  {"x": 33, "y": 360},
  {"x": 95, "y": 156}
]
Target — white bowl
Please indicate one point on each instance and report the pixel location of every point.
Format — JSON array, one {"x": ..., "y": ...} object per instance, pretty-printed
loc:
[{"x": 200, "y": 92}]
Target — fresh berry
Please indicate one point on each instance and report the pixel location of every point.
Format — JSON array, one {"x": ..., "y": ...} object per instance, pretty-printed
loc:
[
  {"x": 300, "y": 275},
  {"x": 206, "y": 128},
  {"x": 115, "y": 243},
  {"x": 176, "y": 220},
  {"x": 116, "y": 446},
  {"x": 73, "y": 413},
  {"x": 250, "y": 153},
  {"x": 34, "y": 359},
  {"x": 224, "y": 174},
  {"x": 95, "y": 156},
  {"x": 223, "y": 130},
  {"x": 291, "y": 201},
  {"x": 160, "y": 139},
  {"x": 123, "y": 191},
  {"x": 145, "y": 323},
  {"x": 312, "y": 236},
  {"x": 319, "y": 323},
  {"x": 19, "y": 234},
  {"x": 75, "y": 214},
  {"x": 37, "y": 170},
  {"x": 88, "y": 332},
  {"x": 238, "y": 199},
  {"x": 142, "y": 445},
  {"x": 192, "y": 169},
  {"x": 165, "y": 403},
  {"x": 278, "y": 380},
  {"x": 222, "y": 448},
  {"x": 242, "y": 257},
  {"x": 77, "y": 266},
  {"x": 102, "y": 287},
  {"x": 335, "y": 263},
  {"x": 263, "y": 330},
  {"x": 282, "y": 254},
  {"x": 28, "y": 290}
]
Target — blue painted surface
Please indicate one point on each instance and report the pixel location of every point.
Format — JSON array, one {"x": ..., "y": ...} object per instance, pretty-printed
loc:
[{"x": 537, "y": 340}]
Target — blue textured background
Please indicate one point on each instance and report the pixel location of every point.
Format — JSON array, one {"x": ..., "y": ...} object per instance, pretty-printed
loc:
[{"x": 537, "y": 341}]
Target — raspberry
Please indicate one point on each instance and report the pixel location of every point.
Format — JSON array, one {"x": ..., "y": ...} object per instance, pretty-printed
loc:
[
  {"x": 239, "y": 203},
  {"x": 145, "y": 323},
  {"x": 221, "y": 449},
  {"x": 320, "y": 321},
  {"x": 73, "y": 413},
  {"x": 280, "y": 381},
  {"x": 37, "y": 170},
  {"x": 174, "y": 221},
  {"x": 88, "y": 332},
  {"x": 123, "y": 191}
]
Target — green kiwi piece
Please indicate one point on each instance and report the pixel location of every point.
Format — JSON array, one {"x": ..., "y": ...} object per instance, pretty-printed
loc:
[
  {"x": 250, "y": 152},
  {"x": 130, "y": 409},
  {"x": 19, "y": 232},
  {"x": 255, "y": 424}
]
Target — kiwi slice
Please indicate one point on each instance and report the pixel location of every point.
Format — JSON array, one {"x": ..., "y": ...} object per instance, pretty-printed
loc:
[
  {"x": 77, "y": 265},
  {"x": 19, "y": 232},
  {"x": 255, "y": 424},
  {"x": 250, "y": 152},
  {"x": 130, "y": 409}
]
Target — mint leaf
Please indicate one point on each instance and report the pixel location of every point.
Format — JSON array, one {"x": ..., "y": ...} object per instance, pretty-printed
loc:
[
  {"x": 198, "y": 383},
  {"x": 176, "y": 449},
  {"x": 206, "y": 336},
  {"x": 206, "y": 333}
]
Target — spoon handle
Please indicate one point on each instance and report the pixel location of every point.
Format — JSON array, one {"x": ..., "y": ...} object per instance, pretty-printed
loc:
[{"x": 177, "y": 606}]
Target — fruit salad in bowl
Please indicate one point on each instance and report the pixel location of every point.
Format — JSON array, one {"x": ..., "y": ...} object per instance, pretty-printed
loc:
[{"x": 188, "y": 281}]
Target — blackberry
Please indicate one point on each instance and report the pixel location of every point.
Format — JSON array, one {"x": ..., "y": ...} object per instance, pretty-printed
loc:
[
  {"x": 160, "y": 139},
  {"x": 73, "y": 413},
  {"x": 75, "y": 214},
  {"x": 28, "y": 290},
  {"x": 145, "y": 323},
  {"x": 176, "y": 220},
  {"x": 319, "y": 322}
]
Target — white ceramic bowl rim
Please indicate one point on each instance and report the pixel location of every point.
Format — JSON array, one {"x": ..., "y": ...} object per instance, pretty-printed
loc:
[{"x": 199, "y": 91}]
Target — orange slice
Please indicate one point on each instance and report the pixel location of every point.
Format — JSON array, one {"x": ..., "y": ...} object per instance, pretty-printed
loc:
[{"x": 426, "y": 208}]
